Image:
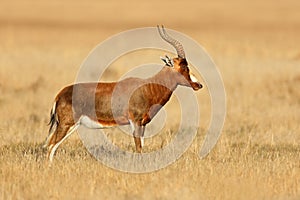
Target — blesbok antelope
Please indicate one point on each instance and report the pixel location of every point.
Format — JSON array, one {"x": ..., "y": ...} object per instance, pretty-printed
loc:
[{"x": 131, "y": 101}]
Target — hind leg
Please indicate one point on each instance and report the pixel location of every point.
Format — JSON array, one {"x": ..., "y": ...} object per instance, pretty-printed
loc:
[{"x": 61, "y": 133}]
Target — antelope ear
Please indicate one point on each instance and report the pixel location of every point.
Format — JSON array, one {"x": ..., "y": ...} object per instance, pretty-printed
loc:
[{"x": 167, "y": 60}]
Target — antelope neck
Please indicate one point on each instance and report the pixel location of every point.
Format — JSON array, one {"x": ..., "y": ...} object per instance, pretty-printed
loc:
[{"x": 165, "y": 77}]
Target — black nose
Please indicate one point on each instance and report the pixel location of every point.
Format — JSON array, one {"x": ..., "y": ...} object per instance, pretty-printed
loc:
[{"x": 196, "y": 86}]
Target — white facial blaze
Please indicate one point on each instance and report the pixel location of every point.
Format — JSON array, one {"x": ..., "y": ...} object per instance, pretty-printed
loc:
[{"x": 193, "y": 78}]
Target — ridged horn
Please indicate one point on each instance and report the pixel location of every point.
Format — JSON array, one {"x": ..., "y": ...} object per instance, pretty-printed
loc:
[{"x": 175, "y": 43}]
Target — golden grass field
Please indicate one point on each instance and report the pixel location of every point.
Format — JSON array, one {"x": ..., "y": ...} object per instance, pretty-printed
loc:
[{"x": 256, "y": 47}]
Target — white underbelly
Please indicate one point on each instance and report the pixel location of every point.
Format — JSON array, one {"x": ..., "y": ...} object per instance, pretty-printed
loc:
[{"x": 89, "y": 123}]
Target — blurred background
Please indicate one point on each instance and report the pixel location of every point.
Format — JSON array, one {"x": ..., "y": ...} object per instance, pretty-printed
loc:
[{"x": 255, "y": 45}]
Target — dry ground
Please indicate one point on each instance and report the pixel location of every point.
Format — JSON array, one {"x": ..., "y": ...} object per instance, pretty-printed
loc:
[{"x": 255, "y": 45}]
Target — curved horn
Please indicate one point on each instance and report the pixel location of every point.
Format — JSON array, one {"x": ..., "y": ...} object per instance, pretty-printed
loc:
[{"x": 175, "y": 43}]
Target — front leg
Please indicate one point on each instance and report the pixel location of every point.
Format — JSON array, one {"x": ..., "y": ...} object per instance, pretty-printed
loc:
[
  {"x": 138, "y": 135},
  {"x": 138, "y": 144}
]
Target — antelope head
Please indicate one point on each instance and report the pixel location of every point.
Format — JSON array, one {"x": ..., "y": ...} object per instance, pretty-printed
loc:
[{"x": 179, "y": 65}]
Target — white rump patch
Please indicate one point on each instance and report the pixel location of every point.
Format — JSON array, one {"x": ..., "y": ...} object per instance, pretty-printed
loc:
[
  {"x": 89, "y": 123},
  {"x": 193, "y": 78}
]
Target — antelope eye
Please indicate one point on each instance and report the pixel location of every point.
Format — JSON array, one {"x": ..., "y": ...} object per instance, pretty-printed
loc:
[{"x": 185, "y": 68}]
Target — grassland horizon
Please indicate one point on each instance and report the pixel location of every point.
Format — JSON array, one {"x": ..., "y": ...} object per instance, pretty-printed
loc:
[{"x": 255, "y": 46}]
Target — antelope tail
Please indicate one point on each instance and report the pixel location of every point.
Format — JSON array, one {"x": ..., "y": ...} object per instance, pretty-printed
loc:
[{"x": 53, "y": 124}]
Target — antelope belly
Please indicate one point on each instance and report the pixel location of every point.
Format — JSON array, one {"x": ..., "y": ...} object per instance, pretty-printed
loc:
[{"x": 89, "y": 123}]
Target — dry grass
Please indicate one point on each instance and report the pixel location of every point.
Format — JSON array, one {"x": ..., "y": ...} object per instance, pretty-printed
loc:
[{"x": 255, "y": 45}]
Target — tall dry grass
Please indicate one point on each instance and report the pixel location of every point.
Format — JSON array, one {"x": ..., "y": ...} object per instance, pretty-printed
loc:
[{"x": 255, "y": 45}]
